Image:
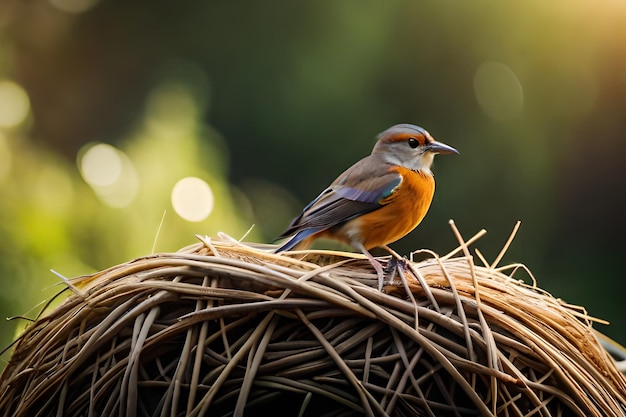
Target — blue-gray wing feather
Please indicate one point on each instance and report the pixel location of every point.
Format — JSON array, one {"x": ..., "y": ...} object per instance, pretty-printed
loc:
[{"x": 338, "y": 204}]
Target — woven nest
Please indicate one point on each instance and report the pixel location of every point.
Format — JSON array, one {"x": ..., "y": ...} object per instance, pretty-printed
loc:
[{"x": 221, "y": 329}]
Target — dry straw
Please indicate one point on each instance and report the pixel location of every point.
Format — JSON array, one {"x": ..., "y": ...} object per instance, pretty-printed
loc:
[{"x": 222, "y": 329}]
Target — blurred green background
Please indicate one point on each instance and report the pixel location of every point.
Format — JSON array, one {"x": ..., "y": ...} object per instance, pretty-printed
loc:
[{"x": 105, "y": 105}]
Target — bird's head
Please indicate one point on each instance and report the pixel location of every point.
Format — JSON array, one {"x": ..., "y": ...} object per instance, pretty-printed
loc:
[{"x": 409, "y": 146}]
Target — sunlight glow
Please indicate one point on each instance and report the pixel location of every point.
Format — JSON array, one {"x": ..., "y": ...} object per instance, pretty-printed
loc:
[
  {"x": 498, "y": 91},
  {"x": 14, "y": 104},
  {"x": 192, "y": 199}
]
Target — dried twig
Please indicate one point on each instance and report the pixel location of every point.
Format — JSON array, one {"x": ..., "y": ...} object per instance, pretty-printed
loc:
[{"x": 221, "y": 328}]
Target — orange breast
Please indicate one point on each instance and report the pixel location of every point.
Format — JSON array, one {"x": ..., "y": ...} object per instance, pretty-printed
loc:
[{"x": 401, "y": 213}]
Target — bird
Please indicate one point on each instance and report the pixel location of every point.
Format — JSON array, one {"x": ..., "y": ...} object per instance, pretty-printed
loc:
[{"x": 376, "y": 201}]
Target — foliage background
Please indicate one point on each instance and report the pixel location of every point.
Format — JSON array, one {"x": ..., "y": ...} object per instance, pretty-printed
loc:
[{"x": 269, "y": 101}]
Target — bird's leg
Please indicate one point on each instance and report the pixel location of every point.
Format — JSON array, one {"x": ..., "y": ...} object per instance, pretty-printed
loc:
[{"x": 377, "y": 265}]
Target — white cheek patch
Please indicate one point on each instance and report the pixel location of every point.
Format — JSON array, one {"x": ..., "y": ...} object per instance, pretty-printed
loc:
[
  {"x": 416, "y": 161},
  {"x": 392, "y": 159}
]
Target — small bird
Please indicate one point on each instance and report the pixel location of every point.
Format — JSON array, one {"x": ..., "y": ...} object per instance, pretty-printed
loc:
[{"x": 376, "y": 201}]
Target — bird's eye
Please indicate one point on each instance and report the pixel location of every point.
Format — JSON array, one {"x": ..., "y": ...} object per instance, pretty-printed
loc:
[{"x": 413, "y": 143}]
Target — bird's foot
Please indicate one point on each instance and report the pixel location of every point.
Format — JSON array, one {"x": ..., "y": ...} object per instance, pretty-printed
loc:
[
  {"x": 387, "y": 274},
  {"x": 393, "y": 266},
  {"x": 390, "y": 269}
]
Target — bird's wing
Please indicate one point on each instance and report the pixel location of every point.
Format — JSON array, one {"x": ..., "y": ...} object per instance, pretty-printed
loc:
[{"x": 340, "y": 203}]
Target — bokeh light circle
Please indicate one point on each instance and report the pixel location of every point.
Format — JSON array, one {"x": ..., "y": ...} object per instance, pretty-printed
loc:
[
  {"x": 498, "y": 91},
  {"x": 14, "y": 104},
  {"x": 110, "y": 173},
  {"x": 192, "y": 199},
  {"x": 101, "y": 165}
]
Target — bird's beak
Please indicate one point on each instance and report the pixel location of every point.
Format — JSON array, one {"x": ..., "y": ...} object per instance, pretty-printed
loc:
[{"x": 438, "y": 147}]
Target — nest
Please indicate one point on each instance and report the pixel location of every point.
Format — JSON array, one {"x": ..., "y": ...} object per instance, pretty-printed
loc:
[{"x": 221, "y": 329}]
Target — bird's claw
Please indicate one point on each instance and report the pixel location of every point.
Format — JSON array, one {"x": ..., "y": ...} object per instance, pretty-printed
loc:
[{"x": 392, "y": 266}]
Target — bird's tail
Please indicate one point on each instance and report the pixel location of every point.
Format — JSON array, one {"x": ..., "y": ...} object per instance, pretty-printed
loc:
[{"x": 302, "y": 239}]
